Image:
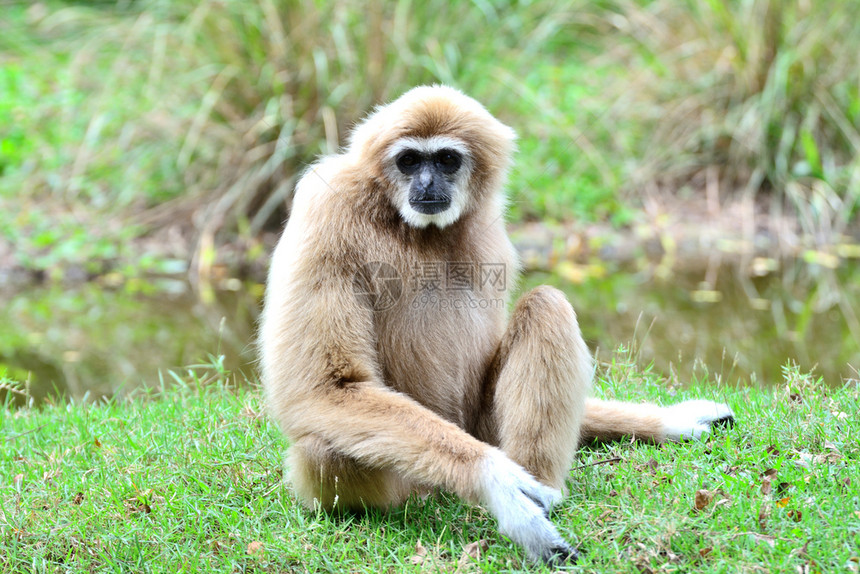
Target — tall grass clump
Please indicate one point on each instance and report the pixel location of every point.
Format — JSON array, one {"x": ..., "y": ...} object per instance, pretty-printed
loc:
[
  {"x": 756, "y": 95},
  {"x": 198, "y": 117},
  {"x": 205, "y": 113},
  {"x": 282, "y": 82}
]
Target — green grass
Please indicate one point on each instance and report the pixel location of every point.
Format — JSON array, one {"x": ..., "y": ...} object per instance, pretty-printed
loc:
[{"x": 189, "y": 479}]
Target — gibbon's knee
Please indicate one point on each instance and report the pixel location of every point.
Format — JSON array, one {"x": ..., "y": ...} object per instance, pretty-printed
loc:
[
  {"x": 337, "y": 482},
  {"x": 547, "y": 309},
  {"x": 544, "y": 376}
]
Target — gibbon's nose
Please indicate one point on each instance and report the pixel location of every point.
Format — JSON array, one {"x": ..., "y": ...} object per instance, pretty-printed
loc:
[{"x": 426, "y": 181}]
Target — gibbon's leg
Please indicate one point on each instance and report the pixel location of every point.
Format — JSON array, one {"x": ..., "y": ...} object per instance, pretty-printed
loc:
[
  {"x": 537, "y": 386},
  {"x": 382, "y": 429},
  {"x": 536, "y": 394},
  {"x": 337, "y": 482},
  {"x": 612, "y": 420}
]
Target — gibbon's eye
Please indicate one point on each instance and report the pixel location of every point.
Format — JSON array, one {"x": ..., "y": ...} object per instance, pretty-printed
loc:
[
  {"x": 408, "y": 161},
  {"x": 449, "y": 160}
]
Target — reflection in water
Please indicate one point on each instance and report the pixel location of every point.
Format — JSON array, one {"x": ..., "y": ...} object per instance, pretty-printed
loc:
[
  {"x": 73, "y": 340},
  {"x": 731, "y": 324},
  {"x": 725, "y": 323}
]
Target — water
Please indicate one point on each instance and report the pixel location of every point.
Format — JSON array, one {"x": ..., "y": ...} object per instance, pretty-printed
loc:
[
  {"x": 735, "y": 323},
  {"x": 104, "y": 341}
]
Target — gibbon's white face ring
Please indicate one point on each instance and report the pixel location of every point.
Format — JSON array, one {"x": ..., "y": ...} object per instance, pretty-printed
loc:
[{"x": 458, "y": 182}]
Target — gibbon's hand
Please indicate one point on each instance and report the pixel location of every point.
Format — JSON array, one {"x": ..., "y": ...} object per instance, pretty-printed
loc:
[
  {"x": 693, "y": 419},
  {"x": 521, "y": 505}
]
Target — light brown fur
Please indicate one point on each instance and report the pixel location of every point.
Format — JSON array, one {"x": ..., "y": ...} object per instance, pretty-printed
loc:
[{"x": 378, "y": 403}]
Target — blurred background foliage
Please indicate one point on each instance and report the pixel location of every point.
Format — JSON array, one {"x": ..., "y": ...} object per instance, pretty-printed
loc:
[{"x": 119, "y": 119}]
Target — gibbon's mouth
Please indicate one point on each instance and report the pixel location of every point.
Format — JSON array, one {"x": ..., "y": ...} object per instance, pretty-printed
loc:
[{"x": 430, "y": 206}]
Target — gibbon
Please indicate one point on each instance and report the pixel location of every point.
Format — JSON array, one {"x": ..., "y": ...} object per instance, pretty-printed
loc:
[{"x": 388, "y": 355}]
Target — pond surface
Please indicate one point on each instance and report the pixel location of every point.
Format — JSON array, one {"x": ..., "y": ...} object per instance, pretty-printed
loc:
[
  {"x": 734, "y": 323},
  {"x": 100, "y": 340},
  {"x": 737, "y": 323}
]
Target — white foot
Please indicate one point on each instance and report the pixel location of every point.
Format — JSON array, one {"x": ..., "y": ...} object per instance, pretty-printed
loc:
[
  {"x": 693, "y": 419},
  {"x": 521, "y": 505}
]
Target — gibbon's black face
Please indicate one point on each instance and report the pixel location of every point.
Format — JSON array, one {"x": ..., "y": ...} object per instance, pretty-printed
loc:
[{"x": 432, "y": 178}]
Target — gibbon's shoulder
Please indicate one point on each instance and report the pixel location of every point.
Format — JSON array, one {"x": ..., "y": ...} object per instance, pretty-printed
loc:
[
  {"x": 319, "y": 222},
  {"x": 320, "y": 180},
  {"x": 332, "y": 212},
  {"x": 323, "y": 191}
]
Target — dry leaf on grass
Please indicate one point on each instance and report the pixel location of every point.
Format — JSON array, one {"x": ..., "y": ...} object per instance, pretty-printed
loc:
[
  {"x": 420, "y": 554},
  {"x": 795, "y": 515},
  {"x": 133, "y": 505},
  {"x": 606, "y": 514},
  {"x": 473, "y": 551},
  {"x": 255, "y": 548},
  {"x": 806, "y": 460},
  {"x": 830, "y": 457},
  {"x": 763, "y": 515},
  {"x": 703, "y": 498},
  {"x": 768, "y": 477}
]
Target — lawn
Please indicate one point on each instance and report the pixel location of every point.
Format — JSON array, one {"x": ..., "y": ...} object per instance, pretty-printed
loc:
[{"x": 189, "y": 479}]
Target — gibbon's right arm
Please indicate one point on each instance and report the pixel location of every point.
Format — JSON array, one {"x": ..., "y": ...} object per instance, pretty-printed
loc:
[{"x": 323, "y": 380}]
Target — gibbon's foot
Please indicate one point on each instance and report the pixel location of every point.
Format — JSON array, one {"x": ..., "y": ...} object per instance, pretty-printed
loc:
[
  {"x": 694, "y": 419},
  {"x": 561, "y": 555},
  {"x": 521, "y": 505}
]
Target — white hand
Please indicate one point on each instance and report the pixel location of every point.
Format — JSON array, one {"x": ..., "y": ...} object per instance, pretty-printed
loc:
[{"x": 521, "y": 505}]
